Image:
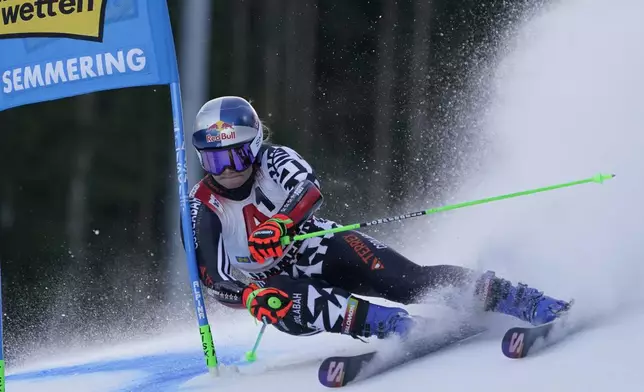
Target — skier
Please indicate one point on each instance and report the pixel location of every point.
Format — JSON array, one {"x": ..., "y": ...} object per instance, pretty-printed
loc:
[{"x": 255, "y": 193}]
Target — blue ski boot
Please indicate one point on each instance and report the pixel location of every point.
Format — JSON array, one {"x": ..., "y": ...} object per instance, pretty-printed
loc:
[
  {"x": 365, "y": 319},
  {"x": 525, "y": 303}
]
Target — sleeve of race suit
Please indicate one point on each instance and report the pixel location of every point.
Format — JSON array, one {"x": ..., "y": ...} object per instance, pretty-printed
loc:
[
  {"x": 212, "y": 259},
  {"x": 294, "y": 174}
]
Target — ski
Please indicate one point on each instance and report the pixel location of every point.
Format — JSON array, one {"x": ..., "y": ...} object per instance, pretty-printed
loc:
[
  {"x": 519, "y": 342},
  {"x": 339, "y": 371}
]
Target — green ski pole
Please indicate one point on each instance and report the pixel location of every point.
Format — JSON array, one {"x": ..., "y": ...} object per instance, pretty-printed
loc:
[
  {"x": 598, "y": 178},
  {"x": 251, "y": 356}
]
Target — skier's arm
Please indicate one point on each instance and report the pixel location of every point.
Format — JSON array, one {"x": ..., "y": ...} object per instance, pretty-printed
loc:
[
  {"x": 212, "y": 259},
  {"x": 289, "y": 170},
  {"x": 294, "y": 174}
]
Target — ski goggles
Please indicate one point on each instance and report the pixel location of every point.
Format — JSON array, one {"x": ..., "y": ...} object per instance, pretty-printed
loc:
[{"x": 237, "y": 158}]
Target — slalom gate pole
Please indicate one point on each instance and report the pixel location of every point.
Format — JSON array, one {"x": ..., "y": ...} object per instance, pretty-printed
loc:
[
  {"x": 598, "y": 178},
  {"x": 2, "y": 383},
  {"x": 207, "y": 342}
]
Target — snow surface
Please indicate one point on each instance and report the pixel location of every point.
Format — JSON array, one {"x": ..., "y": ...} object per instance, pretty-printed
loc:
[{"x": 567, "y": 103}]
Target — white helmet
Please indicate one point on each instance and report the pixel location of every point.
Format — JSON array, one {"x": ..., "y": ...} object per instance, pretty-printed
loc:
[{"x": 227, "y": 134}]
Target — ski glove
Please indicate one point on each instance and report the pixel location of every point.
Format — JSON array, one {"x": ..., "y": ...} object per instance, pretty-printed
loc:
[
  {"x": 268, "y": 305},
  {"x": 264, "y": 241}
]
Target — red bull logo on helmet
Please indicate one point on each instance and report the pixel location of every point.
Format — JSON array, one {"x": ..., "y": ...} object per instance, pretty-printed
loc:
[
  {"x": 220, "y": 131},
  {"x": 210, "y": 138},
  {"x": 220, "y": 126}
]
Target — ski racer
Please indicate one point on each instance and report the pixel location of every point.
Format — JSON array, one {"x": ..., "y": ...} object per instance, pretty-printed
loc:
[{"x": 255, "y": 193}]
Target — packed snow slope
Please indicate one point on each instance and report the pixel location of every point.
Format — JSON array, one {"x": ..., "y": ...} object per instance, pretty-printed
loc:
[{"x": 566, "y": 104}]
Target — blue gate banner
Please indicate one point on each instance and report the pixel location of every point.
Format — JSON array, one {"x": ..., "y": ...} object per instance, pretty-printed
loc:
[{"x": 51, "y": 49}]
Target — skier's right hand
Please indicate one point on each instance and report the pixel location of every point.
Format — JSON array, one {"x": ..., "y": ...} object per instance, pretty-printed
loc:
[{"x": 268, "y": 305}]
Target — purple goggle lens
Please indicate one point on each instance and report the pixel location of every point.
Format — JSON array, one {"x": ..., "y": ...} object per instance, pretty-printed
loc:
[{"x": 237, "y": 158}]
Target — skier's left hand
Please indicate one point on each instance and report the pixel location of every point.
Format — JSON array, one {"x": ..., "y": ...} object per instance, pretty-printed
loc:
[{"x": 264, "y": 241}]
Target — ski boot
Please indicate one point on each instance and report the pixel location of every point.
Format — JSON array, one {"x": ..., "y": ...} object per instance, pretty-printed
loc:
[
  {"x": 523, "y": 302},
  {"x": 365, "y": 319}
]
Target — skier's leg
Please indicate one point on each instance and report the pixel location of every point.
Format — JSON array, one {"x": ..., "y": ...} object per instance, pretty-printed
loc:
[
  {"x": 364, "y": 266},
  {"x": 318, "y": 306},
  {"x": 353, "y": 263}
]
